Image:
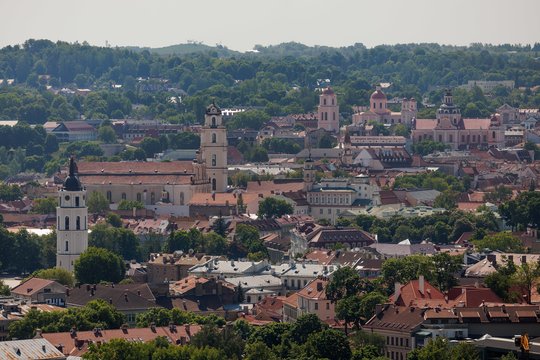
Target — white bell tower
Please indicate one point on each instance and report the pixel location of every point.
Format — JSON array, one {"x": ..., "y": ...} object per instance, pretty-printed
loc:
[
  {"x": 214, "y": 148},
  {"x": 71, "y": 220}
]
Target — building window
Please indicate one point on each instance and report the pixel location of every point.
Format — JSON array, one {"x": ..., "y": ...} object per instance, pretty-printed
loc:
[
  {"x": 213, "y": 121},
  {"x": 123, "y": 196},
  {"x": 334, "y": 116},
  {"x": 380, "y": 105},
  {"x": 327, "y": 306},
  {"x": 181, "y": 198},
  {"x": 214, "y": 160},
  {"x": 493, "y": 135},
  {"x": 152, "y": 198},
  {"x": 440, "y": 138},
  {"x": 213, "y": 138},
  {"x": 324, "y": 101},
  {"x": 474, "y": 138},
  {"x": 485, "y": 138},
  {"x": 109, "y": 196},
  {"x": 332, "y": 101},
  {"x": 76, "y": 201},
  {"x": 214, "y": 184},
  {"x": 78, "y": 223},
  {"x": 139, "y": 197},
  {"x": 451, "y": 138},
  {"x": 66, "y": 223},
  {"x": 316, "y": 306},
  {"x": 329, "y": 211},
  {"x": 321, "y": 211},
  {"x": 67, "y": 246}
]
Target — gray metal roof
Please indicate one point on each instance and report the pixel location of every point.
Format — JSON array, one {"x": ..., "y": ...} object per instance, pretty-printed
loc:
[{"x": 35, "y": 349}]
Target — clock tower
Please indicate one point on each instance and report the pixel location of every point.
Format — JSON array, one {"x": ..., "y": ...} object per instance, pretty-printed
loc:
[
  {"x": 71, "y": 220},
  {"x": 214, "y": 148}
]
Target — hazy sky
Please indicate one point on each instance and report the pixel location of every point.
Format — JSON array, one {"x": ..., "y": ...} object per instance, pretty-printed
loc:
[{"x": 240, "y": 24}]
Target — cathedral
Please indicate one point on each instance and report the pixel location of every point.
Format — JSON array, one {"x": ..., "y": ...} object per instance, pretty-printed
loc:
[
  {"x": 379, "y": 112},
  {"x": 72, "y": 220},
  {"x": 458, "y": 133}
]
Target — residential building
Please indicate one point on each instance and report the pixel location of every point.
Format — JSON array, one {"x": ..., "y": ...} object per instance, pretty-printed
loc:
[
  {"x": 34, "y": 349},
  {"x": 488, "y": 85},
  {"x": 74, "y": 131},
  {"x": 311, "y": 299},
  {"x": 129, "y": 299},
  {"x": 36, "y": 290},
  {"x": 76, "y": 343}
]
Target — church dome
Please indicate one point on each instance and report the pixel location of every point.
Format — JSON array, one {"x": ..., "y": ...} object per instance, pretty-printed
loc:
[
  {"x": 378, "y": 94},
  {"x": 328, "y": 91},
  {"x": 213, "y": 109},
  {"x": 72, "y": 182}
]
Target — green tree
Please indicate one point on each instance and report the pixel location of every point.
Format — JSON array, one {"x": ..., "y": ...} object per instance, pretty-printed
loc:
[
  {"x": 130, "y": 204},
  {"x": 114, "y": 220},
  {"x": 107, "y": 134},
  {"x": 4, "y": 289},
  {"x": 526, "y": 276},
  {"x": 97, "y": 264},
  {"x": 446, "y": 200},
  {"x": 271, "y": 207},
  {"x": 445, "y": 268},
  {"x": 45, "y": 205},
  {"x": 97, "y": 203},
  {"x": 150, "y": 146},
  {"x": 328, "y": 344},
  {"x": 345, "y": 282},
  {"x": 60, "y": 275},
  {"x": 368, "y": 303},
  {"x": 503, "y": 241},
  {"x": 348, "y": 310}
]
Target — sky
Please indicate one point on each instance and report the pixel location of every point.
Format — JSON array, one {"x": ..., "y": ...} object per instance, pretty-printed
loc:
[{"x": 241, "y": 24}]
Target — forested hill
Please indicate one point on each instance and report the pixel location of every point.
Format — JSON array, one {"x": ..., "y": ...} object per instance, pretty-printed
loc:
[
  {"x": 278, "y": 79},
  {"x": 182, "y": 49}
]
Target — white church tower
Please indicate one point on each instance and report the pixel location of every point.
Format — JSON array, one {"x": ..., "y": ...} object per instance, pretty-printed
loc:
[
  {"x": 214, "y": 148},
  {"x": 72, "y": 222}
]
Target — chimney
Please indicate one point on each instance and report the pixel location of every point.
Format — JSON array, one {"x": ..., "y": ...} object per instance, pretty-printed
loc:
[
  {"x": 421, "y": 285},
  {"x": 38, "y": 333},
  {"x": 492, "y": 259},
  {"x": 397, "y": 291}
]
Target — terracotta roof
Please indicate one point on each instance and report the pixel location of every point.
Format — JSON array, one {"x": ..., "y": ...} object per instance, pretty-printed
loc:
[
  {"x": 31, "y": 286},
  {"x": 77, "y": 344},
  {"x": 267, "y": 187},
  {"x": 315, "y": 289},
  {"x": 135, "y": 167},
  {"x": 411, "y": 294},
  {"x": 131, "y": 179},
  {"x": 344, "y": 236},
  {"x": 473, "y": 296}
]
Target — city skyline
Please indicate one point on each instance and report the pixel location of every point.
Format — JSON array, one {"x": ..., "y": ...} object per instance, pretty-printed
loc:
[{"x": 240, "y": 25}]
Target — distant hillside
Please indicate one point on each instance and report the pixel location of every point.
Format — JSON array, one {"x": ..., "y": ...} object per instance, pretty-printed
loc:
[{"x": 182, "y": 49}]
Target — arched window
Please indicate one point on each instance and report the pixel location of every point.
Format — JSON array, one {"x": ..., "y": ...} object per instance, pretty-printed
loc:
[
  {"x": 213, "y": 138},
  {"x": 76, "y": 201},
  {"x": 78, "y": 223},
  {"x": 214, "y": 184},
  {"x": 334, "y": 116},
  {"x": 181, "y": 198},
  {"x": 332, "y": 101},
  {"x": 109, "y": 196},
  {"x": 213, "y": 121},
  {"x": 67, "y": 246},
  {"x": 124, "y": 196},
  {"x": 214, "y": 160},
  {"x": 324, "y": 101},
  {"x": 66, "y": 223},
  {"x": 380, "y": 105}
]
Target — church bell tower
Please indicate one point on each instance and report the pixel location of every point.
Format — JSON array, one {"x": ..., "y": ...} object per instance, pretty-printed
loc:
[
  {"x": 72, "y": 220},
  {"x": 214, "y": 148}
]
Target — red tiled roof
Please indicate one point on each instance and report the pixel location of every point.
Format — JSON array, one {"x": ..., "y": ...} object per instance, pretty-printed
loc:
[
  {"x": 135, "y": 167},
  {"x": 31, "y": 286},
  {"x": 136, "y": 179},
  {"x": 78, "y": 344}
]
